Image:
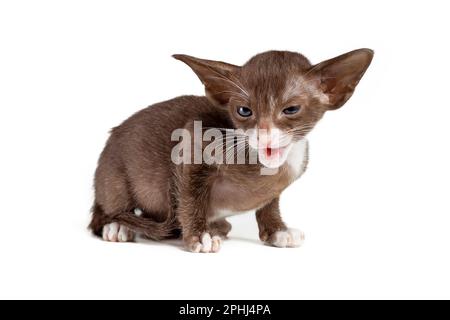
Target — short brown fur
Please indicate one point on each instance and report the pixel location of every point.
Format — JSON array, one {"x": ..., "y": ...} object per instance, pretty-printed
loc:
[{"x": 135, "y": 169}]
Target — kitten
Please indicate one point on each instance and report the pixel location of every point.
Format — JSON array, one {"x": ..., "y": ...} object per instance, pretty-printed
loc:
[{"x": 276, "y": 99}]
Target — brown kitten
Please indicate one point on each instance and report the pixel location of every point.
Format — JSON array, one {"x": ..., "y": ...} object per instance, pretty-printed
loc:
[{"x": 277, "y": 96}]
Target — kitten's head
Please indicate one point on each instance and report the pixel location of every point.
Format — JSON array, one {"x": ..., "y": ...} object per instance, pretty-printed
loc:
[{"x": 279, "y": 96}]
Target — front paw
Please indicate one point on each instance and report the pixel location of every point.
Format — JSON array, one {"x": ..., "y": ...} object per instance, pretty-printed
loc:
[
  {"x": 205, "y": 243},
  {"x": 290, "y": 238}
]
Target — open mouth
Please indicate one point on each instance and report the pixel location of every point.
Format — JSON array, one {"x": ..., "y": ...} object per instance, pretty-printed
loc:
[
  {"x": 273, "y": 157},
  {"x": 272, "y": 153}
]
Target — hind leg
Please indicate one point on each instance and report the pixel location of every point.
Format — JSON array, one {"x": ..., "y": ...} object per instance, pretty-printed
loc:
[
  {"x": 102, "y": 226},
  {"x": 111, "y": 197},
  {"x": 114, "y": 232}
]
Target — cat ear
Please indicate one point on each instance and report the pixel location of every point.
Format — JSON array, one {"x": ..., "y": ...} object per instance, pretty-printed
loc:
[
  {"x": 219, "y": 78},
  {"x": 338, "y": 77}
]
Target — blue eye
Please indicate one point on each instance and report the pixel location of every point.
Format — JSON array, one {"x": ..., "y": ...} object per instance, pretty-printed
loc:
[
  {"x": 244, "y": 112},
  {"x": 291, "y": 110}
]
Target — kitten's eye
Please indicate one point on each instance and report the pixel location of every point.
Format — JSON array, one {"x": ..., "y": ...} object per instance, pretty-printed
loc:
[
  {"x": 291, "y": 110},
  {"x": 244, "y": 112}
]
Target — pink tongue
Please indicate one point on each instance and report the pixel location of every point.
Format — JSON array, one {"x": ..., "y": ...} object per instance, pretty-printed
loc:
[{"x": 272, "y": 152}]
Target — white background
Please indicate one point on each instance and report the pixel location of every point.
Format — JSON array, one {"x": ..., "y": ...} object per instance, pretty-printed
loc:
[{"x": 374, "y": 203}]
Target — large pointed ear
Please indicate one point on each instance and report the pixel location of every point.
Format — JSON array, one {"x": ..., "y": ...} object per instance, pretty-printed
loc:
[
  {"x": 338, "y": 77},
  {"x": 219, "y": 78}
]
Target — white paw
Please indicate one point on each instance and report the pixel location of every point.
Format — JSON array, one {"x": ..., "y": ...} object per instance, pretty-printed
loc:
[
  {"x": 290, "y": 238},
  {"x": 115, "y": 232},
  {"x": 205, "y": 243}
]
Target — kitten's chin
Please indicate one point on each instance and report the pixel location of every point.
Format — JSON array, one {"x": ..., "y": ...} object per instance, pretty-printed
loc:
[{"x": 273, "y": 157}]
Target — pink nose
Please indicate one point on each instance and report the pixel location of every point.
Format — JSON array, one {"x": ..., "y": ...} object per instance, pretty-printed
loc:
[
  {"x": 264, "y": 125},
  {"x": 264, "y": 136}
]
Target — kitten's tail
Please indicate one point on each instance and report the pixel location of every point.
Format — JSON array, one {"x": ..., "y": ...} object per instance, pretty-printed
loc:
[{"x": 151, "y": 229}]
